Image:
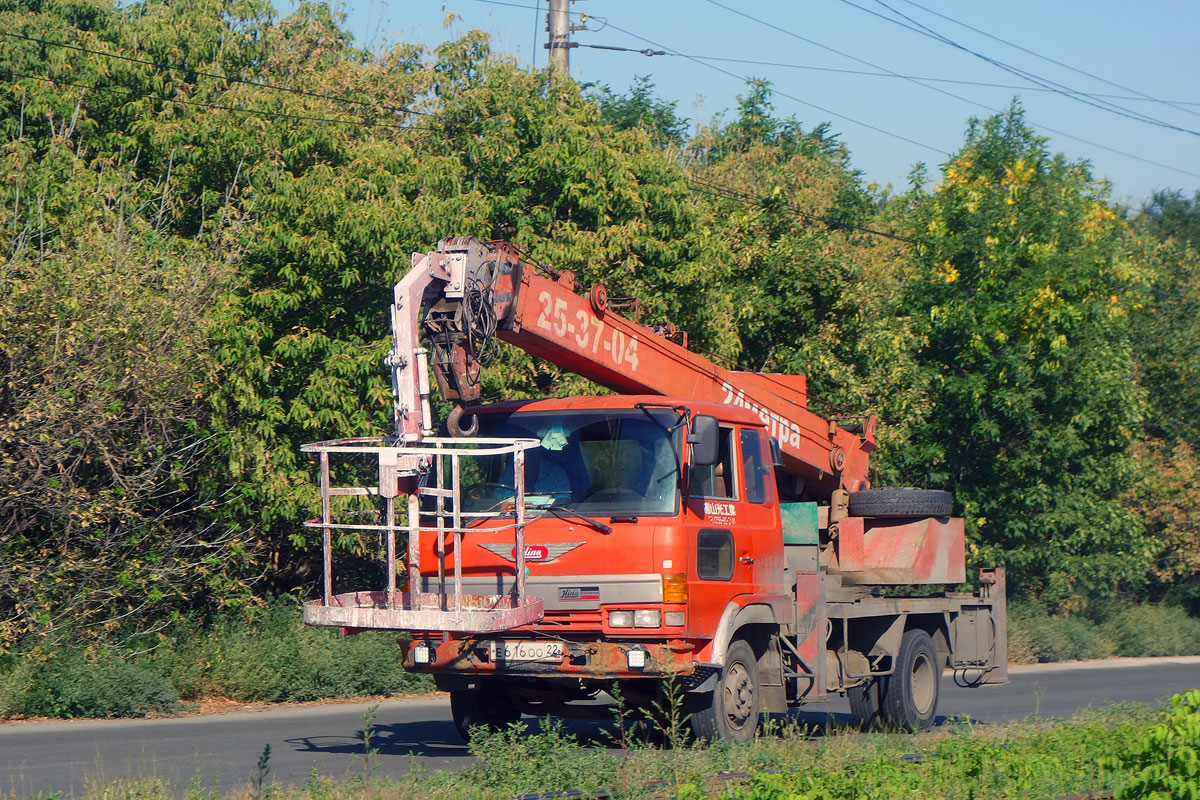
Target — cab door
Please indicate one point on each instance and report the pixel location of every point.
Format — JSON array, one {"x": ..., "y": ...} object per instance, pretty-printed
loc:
[
  {"x": 722, "y": 546},
  {"x": 758, "y": 513}
]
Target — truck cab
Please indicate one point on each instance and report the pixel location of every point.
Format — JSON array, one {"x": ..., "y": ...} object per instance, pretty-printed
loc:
[{"x": 639, "y": 555}]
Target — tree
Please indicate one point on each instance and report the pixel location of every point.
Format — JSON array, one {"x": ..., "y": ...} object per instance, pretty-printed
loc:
[
  {"x": 1170, "y": 213},
  {"x": 1021, "y": 291},
  {"x": 640, "y": 108},
  {"x": 104, "y": 329},
  {"x": 785, "y": 210},
  {"x": 1166, "y": 341}
]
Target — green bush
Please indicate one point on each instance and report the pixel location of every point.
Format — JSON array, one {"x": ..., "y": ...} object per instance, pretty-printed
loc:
[
  {"x": 272, "y": 656},
  {"x": 1165, "y": 763},
  {"x": 16, "y": 676},
  {"x": 519, "y": 761},
  {"x": 1116, "y": 627},
  {"x": 1037, "y": 636},
  {"x": 257, "y": 655},
  {"x": 1153, "y": 630},
  {"x": 109, "y": 685}
]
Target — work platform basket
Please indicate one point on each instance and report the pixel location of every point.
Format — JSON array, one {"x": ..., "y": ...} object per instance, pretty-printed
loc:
[{"x": 429, "y": 474}]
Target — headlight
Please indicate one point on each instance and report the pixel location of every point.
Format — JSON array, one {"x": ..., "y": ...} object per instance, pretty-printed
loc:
[
  {"x": 647, "y": 618},
  {"x": 675, "y": 619},
  {"x": 620, "y": 619}
]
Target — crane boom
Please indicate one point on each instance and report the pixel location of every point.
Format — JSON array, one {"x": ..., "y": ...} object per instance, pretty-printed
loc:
[{"x": 471, "y": 291}]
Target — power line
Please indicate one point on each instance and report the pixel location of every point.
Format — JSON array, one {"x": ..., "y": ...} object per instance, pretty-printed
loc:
[
  {"x": 742, "y": 78},
  {"x": 876, "y": 74},
  {"x": 948, "y": 94},
  {"x": 1065, "y": 91},
  {"x": 646, "y": 51},
  {"x": 774, "y": 90},
  {"x": 136, "y": 95},
  {"x": 1142, "y": 95},
  {"x": 537, "y": 10},
  {"x": 1139, "y": 96},
  {"x": 522, "y": 5},
  {"x": 753, "y": 62},
  {"x": 218, "y": 76}
]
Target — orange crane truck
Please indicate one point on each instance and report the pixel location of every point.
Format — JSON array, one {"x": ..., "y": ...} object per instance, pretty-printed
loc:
[{"x": 699, "y": 526}]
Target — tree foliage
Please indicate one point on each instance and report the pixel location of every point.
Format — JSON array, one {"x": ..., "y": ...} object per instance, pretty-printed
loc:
[
  {"x": 1166, "y": 342},
  {"x": 641, "y": 108},
  {"x": 1022, "y": 291},
  {"x": 1172, "y": 214},
  {"x": 105, "y": 320},
  {"x": 205, "y": 207}
]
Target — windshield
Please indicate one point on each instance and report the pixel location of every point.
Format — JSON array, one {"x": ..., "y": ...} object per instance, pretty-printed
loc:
[{"x": 601, "y": 463}]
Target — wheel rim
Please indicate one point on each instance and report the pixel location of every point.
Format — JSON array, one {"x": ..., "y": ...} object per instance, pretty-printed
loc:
[
  {"x": 738, "y": 692},
  {"x": 924, "y": 685}
]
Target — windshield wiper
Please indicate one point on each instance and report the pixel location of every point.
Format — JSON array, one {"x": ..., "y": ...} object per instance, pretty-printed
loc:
[{"x": 566, "y": 512}]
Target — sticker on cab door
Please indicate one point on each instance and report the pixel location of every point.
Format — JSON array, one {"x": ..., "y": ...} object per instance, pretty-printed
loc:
[{"x": 720, "y": 513}]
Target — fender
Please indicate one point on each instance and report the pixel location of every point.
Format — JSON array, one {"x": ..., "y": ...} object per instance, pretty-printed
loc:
[{"x": 738, "y": 612}]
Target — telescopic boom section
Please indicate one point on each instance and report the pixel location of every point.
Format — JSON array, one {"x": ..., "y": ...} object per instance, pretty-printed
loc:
[{"x": 472, "y": 291}]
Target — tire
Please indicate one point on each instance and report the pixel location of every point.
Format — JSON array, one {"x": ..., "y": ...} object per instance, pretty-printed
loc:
[
  {"x": 865, "y": 705},
  {"x": 490, "y": 708},
  {"x": 901, "y": 503},
  {"x": 732, "y": 710},
  {"x": 909, "y": 698}
]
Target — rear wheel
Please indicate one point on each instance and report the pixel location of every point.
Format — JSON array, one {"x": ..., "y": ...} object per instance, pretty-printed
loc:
[
  {"x": 488, "y": 707},
  {"x": 909, "y": 698},
  {"x": 865, "y": 704},
  {"x": 731, "y": 710}
]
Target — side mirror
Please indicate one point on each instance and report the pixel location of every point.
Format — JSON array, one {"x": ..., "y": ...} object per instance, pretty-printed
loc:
[
  {"x": 704, "y": 438},
  {"x": 776, "y": 452}
]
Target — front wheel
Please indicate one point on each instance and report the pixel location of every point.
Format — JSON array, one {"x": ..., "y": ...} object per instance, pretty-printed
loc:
[
  {"x": 909, "y": 699},
  {"x": 489, "y": 708},
  {"x": 731, "y": 710}
]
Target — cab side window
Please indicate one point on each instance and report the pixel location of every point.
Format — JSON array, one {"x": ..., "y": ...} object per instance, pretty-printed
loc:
[
  {"x": 717, "y": 480},
  {"x": 753, "y": 466},
  {"x": 714, "y": 554}
]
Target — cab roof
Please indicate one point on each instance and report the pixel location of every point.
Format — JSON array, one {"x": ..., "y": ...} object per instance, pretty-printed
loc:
[{"x": 723, "y": 412}]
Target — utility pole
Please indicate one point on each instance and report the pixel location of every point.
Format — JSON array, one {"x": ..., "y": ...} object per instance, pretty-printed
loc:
[{"x": 559, "y": 43}]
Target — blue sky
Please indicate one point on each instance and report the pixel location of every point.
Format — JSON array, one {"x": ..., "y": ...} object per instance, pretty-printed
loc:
[{"x": 888, "y": 123}]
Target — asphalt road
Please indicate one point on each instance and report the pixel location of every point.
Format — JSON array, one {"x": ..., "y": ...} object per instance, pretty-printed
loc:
[{"x": 222, "y": 749}]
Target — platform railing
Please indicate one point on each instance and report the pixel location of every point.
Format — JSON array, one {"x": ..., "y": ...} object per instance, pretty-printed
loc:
[{"x": 419, "y": 471}]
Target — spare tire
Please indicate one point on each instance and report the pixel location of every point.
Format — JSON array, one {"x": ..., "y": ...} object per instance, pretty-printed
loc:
[{"x": 900, "y": 503}]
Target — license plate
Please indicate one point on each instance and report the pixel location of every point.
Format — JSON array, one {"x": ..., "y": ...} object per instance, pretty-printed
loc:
[{"x": 518, "y": 651}]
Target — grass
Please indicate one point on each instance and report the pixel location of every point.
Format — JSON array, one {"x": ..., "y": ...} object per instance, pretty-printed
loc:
[{"x": 1117, "y": 749}]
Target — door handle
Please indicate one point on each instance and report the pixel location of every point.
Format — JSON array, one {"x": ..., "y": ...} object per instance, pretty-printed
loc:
[{"x": 745, "y": 559}]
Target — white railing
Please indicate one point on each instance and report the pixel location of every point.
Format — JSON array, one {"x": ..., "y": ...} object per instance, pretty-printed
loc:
[{"x": 421, "y": 470}]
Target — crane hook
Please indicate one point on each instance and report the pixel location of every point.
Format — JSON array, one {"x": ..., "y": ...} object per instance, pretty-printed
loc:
[{"x": 453, "y": 424}]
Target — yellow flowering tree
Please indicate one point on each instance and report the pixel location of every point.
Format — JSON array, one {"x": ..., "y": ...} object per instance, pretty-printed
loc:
[{"x": 1021, "y": 289}]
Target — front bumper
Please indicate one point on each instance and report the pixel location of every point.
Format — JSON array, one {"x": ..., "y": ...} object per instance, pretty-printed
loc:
[{"x": 602, "y": 660}]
